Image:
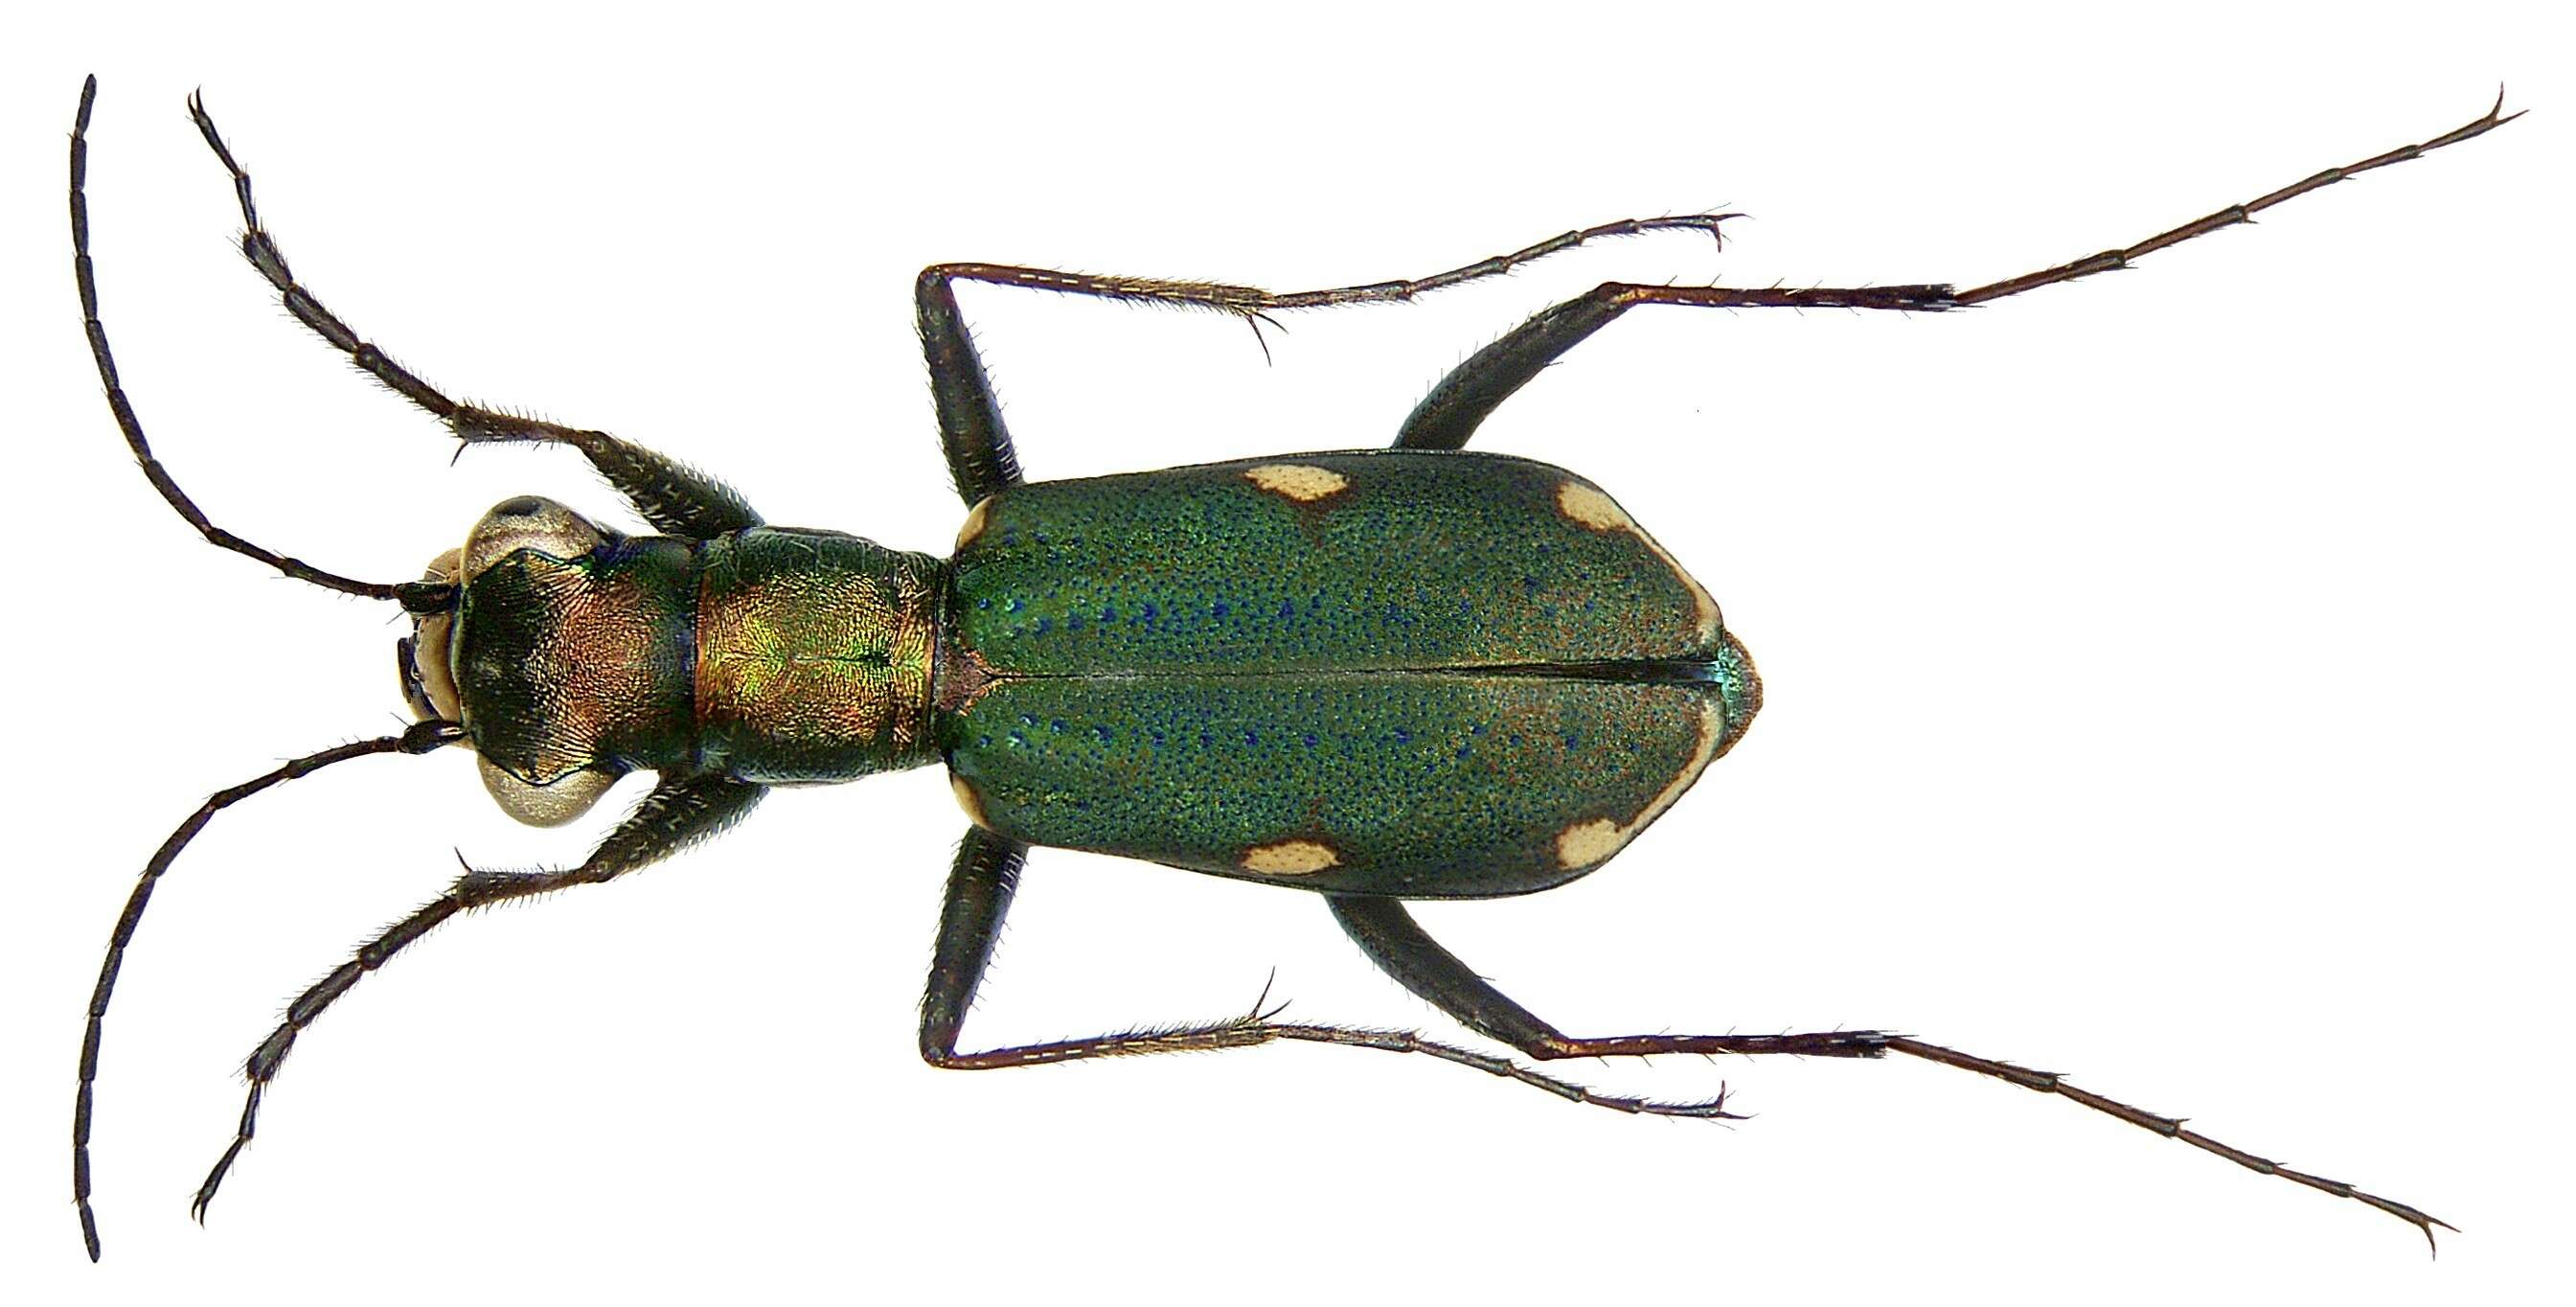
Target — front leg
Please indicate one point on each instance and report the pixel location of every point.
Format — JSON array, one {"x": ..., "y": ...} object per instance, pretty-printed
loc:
[{"x": 681, "y": 811}]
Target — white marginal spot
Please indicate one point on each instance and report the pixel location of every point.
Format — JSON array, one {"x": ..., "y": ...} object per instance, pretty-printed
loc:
[
  {"x": 1586, "y": 505},
  {"x": 1303, "y": 482},
  {"x": 974, "y": 521},
  {"x": 1590, "y": 842},
  {"x": 1587, "y": 842},
  {"x": 967, "y": 799},
  {"x": 1290, "y": 858}
]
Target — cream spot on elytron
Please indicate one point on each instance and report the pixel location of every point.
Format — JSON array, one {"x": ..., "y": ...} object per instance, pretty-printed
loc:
[
  {"x": 967, "y": 799},
  {"x": 1302, "y": 482},
  {"x": 1588, "y": 842},
  {"x": 1589, "y": 507},
  {"x": 1290, "y": 858},
  {"x": 1592, "y": 841},
  {"x": 974, "y": 522},
  {"x": 1592, "y": 508}
]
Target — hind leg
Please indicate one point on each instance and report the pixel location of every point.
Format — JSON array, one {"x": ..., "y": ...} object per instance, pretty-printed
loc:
[
  {"x": 1450, "y": 414},
  {"x": 1386, "y": 932}
]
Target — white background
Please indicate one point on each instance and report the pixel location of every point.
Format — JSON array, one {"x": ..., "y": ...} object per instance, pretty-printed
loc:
[{"x": 2168, "y": 673}]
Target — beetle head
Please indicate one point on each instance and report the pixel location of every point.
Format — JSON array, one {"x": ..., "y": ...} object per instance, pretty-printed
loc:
[{"x": 509, "y": 677}]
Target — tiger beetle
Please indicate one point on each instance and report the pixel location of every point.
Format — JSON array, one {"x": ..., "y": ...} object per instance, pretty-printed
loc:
[{"x": 1376, "y": 675}]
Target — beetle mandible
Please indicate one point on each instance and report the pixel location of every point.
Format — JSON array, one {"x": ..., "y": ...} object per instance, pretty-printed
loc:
[{"x": 1223, "y": 668}]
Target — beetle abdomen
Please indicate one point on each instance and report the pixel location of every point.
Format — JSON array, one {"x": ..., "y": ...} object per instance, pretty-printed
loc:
[{"x": 1412, "y": 673}]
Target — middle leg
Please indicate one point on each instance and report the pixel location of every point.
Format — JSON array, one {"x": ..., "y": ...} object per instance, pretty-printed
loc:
[
  {"x": 978, "y": 446},
  {"x": 980, "y": 886}
]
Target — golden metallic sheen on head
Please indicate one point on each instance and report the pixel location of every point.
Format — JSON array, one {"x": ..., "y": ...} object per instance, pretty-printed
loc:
[{"x": 600, "y": 665}]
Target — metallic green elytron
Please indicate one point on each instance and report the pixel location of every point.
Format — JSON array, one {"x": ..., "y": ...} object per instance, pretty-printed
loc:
[{"x": 1375, "y": 675}]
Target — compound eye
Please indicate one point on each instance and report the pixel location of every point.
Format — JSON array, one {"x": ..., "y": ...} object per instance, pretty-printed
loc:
[
  {"x": 544, "y": 805},
  {"x": 528, "y": 522}
]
